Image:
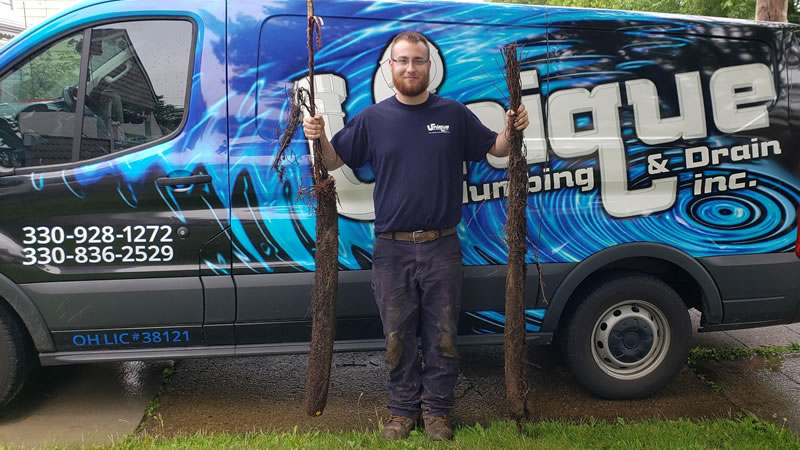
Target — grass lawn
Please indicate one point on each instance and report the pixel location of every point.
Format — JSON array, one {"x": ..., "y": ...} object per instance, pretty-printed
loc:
[{"x": 749, "y": 432}]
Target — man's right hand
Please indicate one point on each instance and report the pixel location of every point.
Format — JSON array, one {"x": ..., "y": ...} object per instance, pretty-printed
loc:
[{"x": 314, "y": 127}]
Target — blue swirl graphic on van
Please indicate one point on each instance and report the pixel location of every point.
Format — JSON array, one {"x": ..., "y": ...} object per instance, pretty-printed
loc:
[
  {"x": 491, "y": 322},
  {"x": 271, "y": 223},
  {"x": 565, "y": 224}
]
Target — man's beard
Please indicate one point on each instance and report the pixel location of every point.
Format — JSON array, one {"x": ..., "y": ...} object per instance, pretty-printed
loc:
[{"x": 418, "y": 87}]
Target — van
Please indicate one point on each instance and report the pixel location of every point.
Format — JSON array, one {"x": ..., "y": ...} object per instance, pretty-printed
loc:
[{"x": 142, "y": 219}]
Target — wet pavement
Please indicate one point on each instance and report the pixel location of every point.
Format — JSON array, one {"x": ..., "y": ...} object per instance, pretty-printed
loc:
[
  {"x": 81, "y": 405},
  {"x": 260, "y": 393},
  {"x": 98, "y": 404},
  {"x": 267, "y": 392}
]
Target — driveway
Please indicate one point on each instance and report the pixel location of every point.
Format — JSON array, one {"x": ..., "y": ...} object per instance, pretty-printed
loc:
[{"x": 98, "y": 404}]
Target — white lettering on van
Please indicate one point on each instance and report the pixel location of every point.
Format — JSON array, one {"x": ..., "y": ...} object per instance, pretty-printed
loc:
[
  {"x": 740, "y": 96},
  {"x": 699, "y": 157},
  {"x": 605, "y": 139},
  {"x": 355, "y": 197},
  {"x": 733, "y": 89},
  {"x": 651, "y": 128},
  {"x": 493, "y": 115}
]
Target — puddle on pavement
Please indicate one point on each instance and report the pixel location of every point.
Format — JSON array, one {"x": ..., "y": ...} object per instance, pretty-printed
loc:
[{"x": 80, "y": 405}]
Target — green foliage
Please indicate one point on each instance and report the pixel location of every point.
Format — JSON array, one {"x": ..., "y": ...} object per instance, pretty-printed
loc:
[
  {"x": 167, "y": 115},
  {"x": 45, "y": 75},
  {"x": 716, "y": 387},
  {"x": 730, "y": 354},
  {"x": 741, "y": 9},
  {"x": 748, "y": 432},
  {"x": 717, "y": 354},
  {"x": 777, "y": 351},
  {"x": 794, "y": 11}
]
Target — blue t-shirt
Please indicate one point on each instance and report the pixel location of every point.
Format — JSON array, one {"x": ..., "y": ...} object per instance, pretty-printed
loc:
[{"x": 416, "y": 152}]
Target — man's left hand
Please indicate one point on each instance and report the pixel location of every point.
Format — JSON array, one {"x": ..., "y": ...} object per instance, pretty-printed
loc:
[{"x": 520, "y": 118}]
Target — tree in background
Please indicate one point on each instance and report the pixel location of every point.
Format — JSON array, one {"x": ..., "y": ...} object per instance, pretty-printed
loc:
[
  {"x": 741, "y": 9},
  {"x": 44, "y": 76},
  {"x": 793, "y": 16},
  {"x": 771, "y": 10}
]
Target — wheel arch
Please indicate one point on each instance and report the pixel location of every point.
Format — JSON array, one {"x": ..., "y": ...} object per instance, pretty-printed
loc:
[
  {"x": 636, "y": 252},
  {"x": 29, "y": 314}
]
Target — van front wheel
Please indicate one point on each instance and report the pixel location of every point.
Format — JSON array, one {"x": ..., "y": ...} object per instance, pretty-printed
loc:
[
  {"x": 628, "y": 337},
  {"x": 16, "y": 359}
]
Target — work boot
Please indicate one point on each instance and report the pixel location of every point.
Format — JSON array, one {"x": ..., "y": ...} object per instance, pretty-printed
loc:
[
  {"x": 399, "y": 427},
  {"x": 437, "y": 428}
]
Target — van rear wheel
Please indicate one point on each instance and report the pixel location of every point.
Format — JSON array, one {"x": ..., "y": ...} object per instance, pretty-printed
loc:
[
  {"x": 16, "y": 357},
  {"x": 628, "y": 337}
]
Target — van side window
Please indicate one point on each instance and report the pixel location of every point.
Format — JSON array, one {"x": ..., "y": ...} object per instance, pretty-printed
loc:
[
  {"x": 136, "y": 87},
  {"x": 37, "y": 106}
]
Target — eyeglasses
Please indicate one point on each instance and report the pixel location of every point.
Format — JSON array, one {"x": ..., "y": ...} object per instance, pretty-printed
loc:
[{"x": 402, "y": 62}]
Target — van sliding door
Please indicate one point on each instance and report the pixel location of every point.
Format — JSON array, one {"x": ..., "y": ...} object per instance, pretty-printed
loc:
[{"x": 273, "y": 223}]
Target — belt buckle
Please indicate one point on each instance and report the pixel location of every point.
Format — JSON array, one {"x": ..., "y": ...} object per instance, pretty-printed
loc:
[{"x": 420, "y": 233}]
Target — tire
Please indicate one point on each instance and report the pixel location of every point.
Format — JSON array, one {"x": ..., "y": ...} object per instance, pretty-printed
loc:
[
  {"x": 16, "y": 356},
  {"x": 629, "y": 337}
]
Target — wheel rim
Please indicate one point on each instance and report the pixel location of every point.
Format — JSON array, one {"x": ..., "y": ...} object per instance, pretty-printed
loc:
[{"x": 630, "y": 339}]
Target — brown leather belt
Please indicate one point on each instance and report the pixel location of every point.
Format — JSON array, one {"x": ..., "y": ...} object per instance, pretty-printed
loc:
[{"x": 418, "y": 236}]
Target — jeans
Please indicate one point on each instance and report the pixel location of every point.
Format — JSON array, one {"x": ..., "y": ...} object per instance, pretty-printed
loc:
[{"x": 418, "y": 291}]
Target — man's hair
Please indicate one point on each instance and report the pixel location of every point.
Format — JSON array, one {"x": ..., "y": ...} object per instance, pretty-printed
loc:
[{"x": 413, "y": 37}]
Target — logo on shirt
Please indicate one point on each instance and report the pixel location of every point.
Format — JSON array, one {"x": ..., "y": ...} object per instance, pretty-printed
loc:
[{"x": 438, "y": 129}]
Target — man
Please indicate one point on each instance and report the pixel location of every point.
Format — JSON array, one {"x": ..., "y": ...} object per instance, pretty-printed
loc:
[{"x": 416, "y": 143}]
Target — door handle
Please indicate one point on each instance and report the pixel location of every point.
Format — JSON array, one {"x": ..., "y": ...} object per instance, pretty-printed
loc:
[
  {"x": 183, "y": 184},
  {"x": 184, "y": 181}
]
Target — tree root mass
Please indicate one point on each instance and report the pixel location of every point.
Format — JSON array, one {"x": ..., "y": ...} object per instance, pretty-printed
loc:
[{"x": 516, "y": 373}]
